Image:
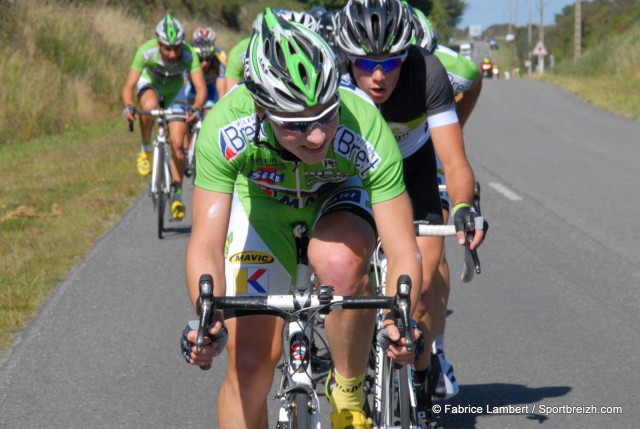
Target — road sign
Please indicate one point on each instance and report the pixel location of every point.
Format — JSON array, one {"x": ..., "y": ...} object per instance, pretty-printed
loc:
[{"x": 539, "y": 50}]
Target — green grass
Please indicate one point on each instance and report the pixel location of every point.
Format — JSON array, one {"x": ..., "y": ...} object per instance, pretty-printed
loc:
[{"x": 60, "y": 193}]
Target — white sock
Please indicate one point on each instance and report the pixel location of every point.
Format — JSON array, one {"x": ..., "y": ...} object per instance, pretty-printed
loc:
[{"x": 439, "y": 340}]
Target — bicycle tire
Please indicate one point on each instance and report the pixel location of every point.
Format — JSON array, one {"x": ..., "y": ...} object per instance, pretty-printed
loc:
[
  {"x": 300, "y": 417},
  {"x": 160, "y": 197},
  {"x": 396, "y": 410}
]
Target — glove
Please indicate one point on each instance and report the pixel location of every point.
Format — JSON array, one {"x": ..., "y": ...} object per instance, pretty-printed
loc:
[
  {"x": 384, "y": 341},
  {"x": 186, "y": 346},
  {"x": 194, "y": 111},
  {"x": 466, "y": 218},
  {"x": 128, "y": 110}
]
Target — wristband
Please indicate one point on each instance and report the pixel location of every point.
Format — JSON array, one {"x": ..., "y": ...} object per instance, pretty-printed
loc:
[{"x": 459, "y": 206}]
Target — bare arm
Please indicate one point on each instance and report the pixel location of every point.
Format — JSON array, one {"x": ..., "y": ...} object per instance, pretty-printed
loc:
[
  {"x": 449, "y": 145},
  {"x": 229, "y": 83},
  {"x": 129, "y": 87},
  {"x": 197, "y": 79},
  {"x": 221, "y": 87},
  {"x": 394, "y": 220},
  {"x": 205, "y": 251},
  {"x": 466, "y": 102}
]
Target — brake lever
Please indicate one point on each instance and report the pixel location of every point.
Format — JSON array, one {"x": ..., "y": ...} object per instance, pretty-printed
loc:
[
  {"x": 205, "y": 310},
  {"x": 403, "y": 305}
]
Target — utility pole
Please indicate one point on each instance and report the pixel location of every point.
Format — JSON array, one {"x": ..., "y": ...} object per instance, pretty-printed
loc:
[
  {"x": 529, "y": 40},
  {"x": 509, "y": 6},
  {"x": 540, "y": 57},
  {"x": 577, "y": 32}
]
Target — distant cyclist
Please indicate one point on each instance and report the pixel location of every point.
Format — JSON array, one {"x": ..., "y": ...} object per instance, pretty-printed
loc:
[
  {"x": 466, "y": 82},
  {"x": 157, "y": 78},
  {"x": 213, "y": 61},
  {"x": 411, "y": 89},
  {"x": 292, "y": 145}
]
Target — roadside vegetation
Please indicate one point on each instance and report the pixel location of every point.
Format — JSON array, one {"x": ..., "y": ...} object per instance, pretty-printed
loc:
[{"x": 67, "y": 161}]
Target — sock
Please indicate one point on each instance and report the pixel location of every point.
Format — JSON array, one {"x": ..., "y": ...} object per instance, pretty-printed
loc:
[
  {"x": 146, "y": 146},
  {"x": 347, "y": 394}
]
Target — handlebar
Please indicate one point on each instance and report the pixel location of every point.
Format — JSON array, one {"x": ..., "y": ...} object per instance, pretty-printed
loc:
[
  {"x": 471, "y": 259},
  {"x": 320, "y": 299},
  {"x": 155, "y": 113}
]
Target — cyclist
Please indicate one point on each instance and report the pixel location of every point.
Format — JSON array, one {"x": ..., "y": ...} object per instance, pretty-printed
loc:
[
  {"x": 213, "y": 62},
  {"x": 412, "y": 91},
  {"x": 288, "y": 145},
  {"x": 156, "y": 75},
  {"x": 466, "y": 82}
]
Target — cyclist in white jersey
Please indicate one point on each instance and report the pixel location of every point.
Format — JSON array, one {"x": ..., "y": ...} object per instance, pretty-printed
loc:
[
  {"x": 291, "y": 145},
  {"x": 413, "y": 92}
]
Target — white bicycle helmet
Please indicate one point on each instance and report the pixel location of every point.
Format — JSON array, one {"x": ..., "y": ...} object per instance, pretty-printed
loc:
[
  {"x": 298, "y": 17},
  {"x": 289, "y": 67},
  {"x": 374, "y": 27},
  {"x": 204, "y": 32},
  {"x": 423, "y": 33},
  {"x": 169, "y": 31}
]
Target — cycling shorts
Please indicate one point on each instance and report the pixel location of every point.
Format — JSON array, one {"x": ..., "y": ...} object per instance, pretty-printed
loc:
[
  {"x": 212, "y": 94},
  {"x": 172, "y": 96},
  {"x": 421, "y": 180},
  {"x": 255, "y": 266}
]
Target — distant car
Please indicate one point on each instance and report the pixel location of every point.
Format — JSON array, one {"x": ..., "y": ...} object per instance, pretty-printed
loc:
[{"x": 493, "y": 43}]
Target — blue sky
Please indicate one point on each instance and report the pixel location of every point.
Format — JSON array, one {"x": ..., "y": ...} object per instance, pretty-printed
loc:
[{"x": 488, "y": 12}]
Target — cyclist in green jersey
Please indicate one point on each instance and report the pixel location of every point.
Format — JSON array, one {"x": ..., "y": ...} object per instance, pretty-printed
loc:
[
  {"x": 289, "y": 145},
  {"x": 466, "y": 83},
  {"x": 157, "y": 76}
]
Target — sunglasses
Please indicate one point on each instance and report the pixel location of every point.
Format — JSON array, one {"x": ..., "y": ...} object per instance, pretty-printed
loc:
[
  {"x": 303, "y": 125},
  {"x": 387, "y": 65}
]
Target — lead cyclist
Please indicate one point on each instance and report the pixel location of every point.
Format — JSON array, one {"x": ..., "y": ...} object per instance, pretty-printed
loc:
[{"x": 290, "y": 144}]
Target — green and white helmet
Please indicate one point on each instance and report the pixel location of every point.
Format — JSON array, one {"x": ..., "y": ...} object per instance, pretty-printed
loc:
[
  {"x": 169, "y": 31},
  {"x": 423, "y": 33},
  {"x": 374, "y": 27},
  {"x": 289, "y": 67}
]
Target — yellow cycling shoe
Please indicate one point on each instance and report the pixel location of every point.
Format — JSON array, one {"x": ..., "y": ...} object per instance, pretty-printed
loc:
[
  {"x": 349, "y": 419},
  {"x": 144, "y": 163},
  {"x": 178, "y": 210}
]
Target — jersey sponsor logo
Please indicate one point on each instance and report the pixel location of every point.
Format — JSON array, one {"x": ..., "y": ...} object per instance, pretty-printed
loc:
[
  {"x": 251, "y": 257},
  {"x": 329, "y": 163},
  {"x": 359, "y": 151},
  {"x": 266, "y": 174},
  {"x": 252, "y": 280},
  {"x": 234, "y": 137},
  {"x": 313, "y": 177}
]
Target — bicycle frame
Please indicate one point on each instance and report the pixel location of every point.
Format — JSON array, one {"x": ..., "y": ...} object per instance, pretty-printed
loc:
[{"x": 161, "y": 171}]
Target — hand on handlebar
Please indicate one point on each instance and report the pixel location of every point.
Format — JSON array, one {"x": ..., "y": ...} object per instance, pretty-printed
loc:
[
  {"x": 470, "y": 226},
  {"x": 129, "y": 113},
  {"x": 214, "y": 343},
  {"x": 193, "y": 115},
  {"x": 389, "y": 338}
]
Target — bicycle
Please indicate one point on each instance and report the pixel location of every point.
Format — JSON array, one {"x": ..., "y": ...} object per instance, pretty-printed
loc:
[
  {"x": 392, "y": 401},
  {"x": 160, "y": 186},
  {"x": 298, "y": 403}
]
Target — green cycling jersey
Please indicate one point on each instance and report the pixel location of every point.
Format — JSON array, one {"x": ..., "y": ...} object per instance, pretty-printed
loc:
[
  {"x": 164, "y": 77},
  {"x": 462, "y": 71}
]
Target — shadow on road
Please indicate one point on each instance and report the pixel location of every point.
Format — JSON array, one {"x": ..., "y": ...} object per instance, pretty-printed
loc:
[{"x": 486, "y": 397}]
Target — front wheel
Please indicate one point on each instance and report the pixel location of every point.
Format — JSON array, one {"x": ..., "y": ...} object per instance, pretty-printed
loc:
[
  {"x": 300, "y": 414},
  {"x": 161, "y": 197}
]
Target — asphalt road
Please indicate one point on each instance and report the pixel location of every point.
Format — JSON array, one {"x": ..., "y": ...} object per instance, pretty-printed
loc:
[{"x": 551, "y": 322}]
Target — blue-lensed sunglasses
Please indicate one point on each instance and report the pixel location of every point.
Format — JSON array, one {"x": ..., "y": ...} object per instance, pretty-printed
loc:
[
  {"x": 303, "y": 125},
  {"x": 387, "y": 65}
]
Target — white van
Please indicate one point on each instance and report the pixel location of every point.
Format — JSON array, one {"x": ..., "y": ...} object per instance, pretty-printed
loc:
[{"x": 465, "y": 50}]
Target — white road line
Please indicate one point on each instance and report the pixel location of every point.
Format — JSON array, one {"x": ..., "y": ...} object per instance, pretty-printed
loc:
[{"x": 508, "y": 193}]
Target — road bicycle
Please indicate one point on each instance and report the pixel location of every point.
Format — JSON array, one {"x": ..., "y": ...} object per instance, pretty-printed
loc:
[
  {"x": 160, "y": 186},
  {"x": 391, "y": 397},
  {"x": 298, "y": 403}
]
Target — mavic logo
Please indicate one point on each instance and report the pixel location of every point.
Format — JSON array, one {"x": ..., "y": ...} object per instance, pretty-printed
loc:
[
  {"x": 252, "y": 280},
  {"x": 251, "y": 257}
]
